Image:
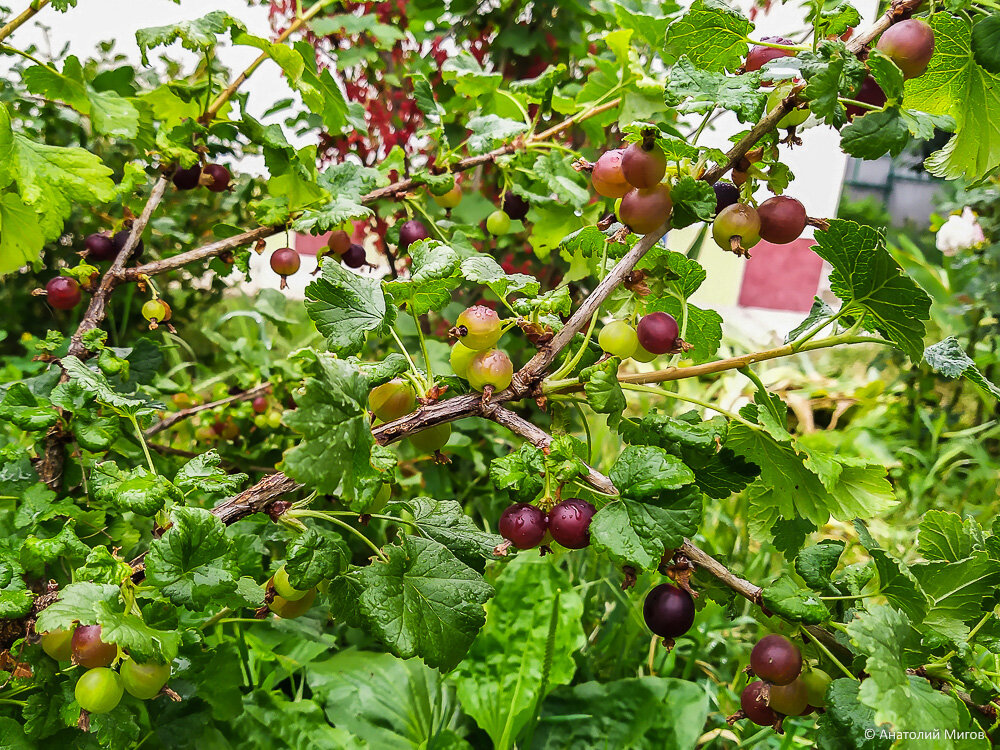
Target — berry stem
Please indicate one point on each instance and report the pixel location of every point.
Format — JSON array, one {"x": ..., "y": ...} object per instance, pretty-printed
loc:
[
  {"x": 858, "y": 103},
  {"x": 21, "y": 18},
  {"x": 691, "y": 400},
  {"x": 829, "y": 655},
  {"x": 413, "y": 366},
  {"x": 775, "y": 45},
  {"x": 337, "y": 522},
  {"x": 142, "y": 442},
  {"x": 423, "y": 345}
]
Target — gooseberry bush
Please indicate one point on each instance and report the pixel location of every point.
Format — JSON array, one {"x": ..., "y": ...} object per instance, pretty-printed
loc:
[{"x": 469, "y": 492}]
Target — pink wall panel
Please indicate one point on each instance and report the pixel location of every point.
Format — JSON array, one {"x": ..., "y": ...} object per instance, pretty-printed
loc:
[{"x": 781, "y": 277}]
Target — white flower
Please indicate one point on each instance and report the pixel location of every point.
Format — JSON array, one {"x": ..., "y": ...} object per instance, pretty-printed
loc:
[{"x": 960, "y": 232}]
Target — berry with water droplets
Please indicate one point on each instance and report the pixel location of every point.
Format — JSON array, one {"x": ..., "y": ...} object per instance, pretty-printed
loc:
[
  {"x": 479, "y": 327},
  {"x": 607, "y": 178},
  {"x": 490, "y": 367},
  {"x": 523, "y": 525},
  {"x": 569, "y": 523}
]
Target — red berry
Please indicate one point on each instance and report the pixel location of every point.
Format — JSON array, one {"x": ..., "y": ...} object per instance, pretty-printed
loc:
[
  {"x": 869, "y": 93},
  {"x": 285, "y": 262},
  {"x": 63, "y": 293},
  {"x": 753, "y": 705},
  {"x": 910, "y": 44},
  {"x": 524, "y": 525},
  {"x": 340, "y": 242},
  {"x": 216, "y": 177},
  {"x": 260, "y": 404},
  {"x": 776, "y": 659},
  {"x": 89, "y": 650},
  {"x": 643, "y": 168},
  {"x": 760, "y": 55},
  {"x": 658, "y": 332},
  {"x": 645, "y": 210},
  {"x": 607, "y": 177},
  {"x": 782, "y": 219},
  {"x": 569, "y": 523}
]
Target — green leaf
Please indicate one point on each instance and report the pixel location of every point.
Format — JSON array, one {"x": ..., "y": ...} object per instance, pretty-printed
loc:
[
  {"x": 896, "y": 583},
  {"x": 537, "y": 608},
  {"x": 956, "y": 85},
  {"x": 957, "y": 591},
  {"x": 102, "y": 566},
  {"x": 712, "y": 34},
  {"x": 838, "y": 19},
  {"x": 694, "y": 201},
  {"x": 986, "y": 43},
  {"x": 694, "y": 90},
  {"x": 205, "y": 474},
  {"x": 346, "y": 306},
  {"x": 432, "y": 277},
  {"x": 520, "y": 472},
  {"x": 875, "y": 134},
  {"x": 20, "y": 407},
  {"x": 718, "y": 471},
  {"x": 847, "y": 723},
  {"x": 906, "y": 702},
  {"x": 947, "y": 536},
  {"x": 469, "y": 77},
  {"x": 94, "y": 383},
  {"x": 604, "y": 393},
  {"x": 37, "y": 552},
  {"x": 337, "y": 454},
  {"x": 865, "y": 276},
  {"x": 816, "y": 564},
  {"x": 833, "y": 71},
  {"x": 887, "y": 74},
  {"x": 541, "y": 86},
  {"x": 643, "y": 471},
  {"x": 21, "y": 238},
  {"x": 423, "y": 601},
  {"x": 786, "y": 599},
  {"x": 315, "y": 556},
  {"x": 15, "y": 599},
  {"x": 483, "y": 269},
  {"x": 624, "y": 713},
  {"x": 445, "y": 522},
  {"x": 198, "y": 35},
  {"x": 135, "y": 490},
  {"x": 639, "y": 533},
  {"x": 193, "y": 563},
  {"x": 949, "y": 359},
  {"x": 489, "y": 131},
  {"x": 818, "y": 312}
]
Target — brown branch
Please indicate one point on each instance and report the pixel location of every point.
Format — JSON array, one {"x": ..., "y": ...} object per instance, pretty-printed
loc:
[
  {"x": 170, "y": 421},
  {"x": 541, "y": 439},
  {"x": 21, "y": 18},
  {"x": 202, "y": 253},
  {"x": 99, "y": 301}
]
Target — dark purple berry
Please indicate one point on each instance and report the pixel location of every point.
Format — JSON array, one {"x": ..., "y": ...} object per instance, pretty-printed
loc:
[
  {"x": 726, "y": 194},
  {"x": 668, "y": 611},
  {"x": 755, "y": 707},
  {"x": 216, "y": 177},
  {"x": 187, "y": 179},
  {"x": 410, "y": 232},
  {"x": 515, "y": 206},
  {"x": 658, "y": 332},
  {"x": 121, "y": 238},
  {"x": 99, "y": 247},
  {"x": 523, "y": 525},
  {"x": 569, "y": 523},
  {"x": 355, "y": 257}
]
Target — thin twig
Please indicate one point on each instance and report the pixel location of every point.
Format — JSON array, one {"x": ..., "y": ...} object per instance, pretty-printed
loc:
[
  {"x": 21, "y": 18},
  {"x": 170, "y": 421}
]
